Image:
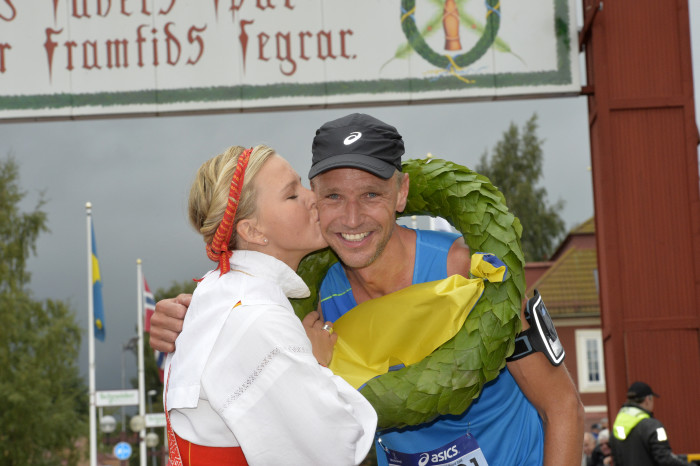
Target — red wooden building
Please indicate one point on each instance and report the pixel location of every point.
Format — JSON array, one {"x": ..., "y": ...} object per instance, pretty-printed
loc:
[
  {"x": 568, "y": 283},
  {"x": 644, "y": 159}
]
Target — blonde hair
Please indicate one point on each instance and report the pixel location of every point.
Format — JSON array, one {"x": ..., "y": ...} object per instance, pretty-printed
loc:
[{"x": 210, "y": 191}]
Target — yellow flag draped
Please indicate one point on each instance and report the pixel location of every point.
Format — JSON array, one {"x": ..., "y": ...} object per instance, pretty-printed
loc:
[{"x": 406, "y": 326}]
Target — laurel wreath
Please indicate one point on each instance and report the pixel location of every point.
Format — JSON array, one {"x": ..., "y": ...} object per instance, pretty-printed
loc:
[
  {"x": 415, "y": 38},
  {"x": 449, "y": 379}
]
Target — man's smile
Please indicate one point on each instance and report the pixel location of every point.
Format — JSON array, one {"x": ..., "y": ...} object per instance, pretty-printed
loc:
[{"x": 354, "y": 236}]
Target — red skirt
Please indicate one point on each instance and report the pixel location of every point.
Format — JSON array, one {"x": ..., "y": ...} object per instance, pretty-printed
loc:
[{"x": 198, "y": 455}]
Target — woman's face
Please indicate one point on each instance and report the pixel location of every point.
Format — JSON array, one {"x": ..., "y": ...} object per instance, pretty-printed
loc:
[{"x": 286, "y": 213}]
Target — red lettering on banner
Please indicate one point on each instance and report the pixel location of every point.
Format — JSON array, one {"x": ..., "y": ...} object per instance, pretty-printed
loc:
[
  {"x": 99, "y": 8},
  {"x": 262, "y": 41},
  {"x": 55, "y": 7},
  {"x": 286, "y": 50},
  {"x": 260, "y": 4},
  {"x": 70, "y": 45},
  {"x": 155, "y": 46},
  {"x": 243, "y": 39},
  {"x": 139, "y": 43},
  {"x": 343, "y": 33},
  {"x": 13, "y": 12},
  {"x": 234, "y": 8},
  {"x": 2, "y": 56},
  {"x": 283, "y": 41},
  {"x": 114, "y": 54},
  {"x": 165, "y": 12},
  {"x": 329, "y": 45},
  {"x": 95, "y": 64},
  {"x": 191, "y": 37},
  {"x": 302, "y": 54},
  {"x": 263, "y": 7},
  {"x": 170, "y": 39},
  {"x": 50, "y": 46},
  {"x": 76, "y": 13}
]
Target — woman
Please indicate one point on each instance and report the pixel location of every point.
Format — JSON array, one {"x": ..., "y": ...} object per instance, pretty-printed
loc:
[{"x": 244, "y": 386}]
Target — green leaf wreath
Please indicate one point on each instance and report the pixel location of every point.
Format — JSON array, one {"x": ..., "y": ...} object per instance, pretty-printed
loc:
[{"x": 449, "y": 379}]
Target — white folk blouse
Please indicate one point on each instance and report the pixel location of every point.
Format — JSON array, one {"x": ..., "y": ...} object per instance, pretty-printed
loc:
[{"x": 245, "y": 375}]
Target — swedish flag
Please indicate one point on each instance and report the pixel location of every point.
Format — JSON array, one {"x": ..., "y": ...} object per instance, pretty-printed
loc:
[{"x": 97, "y": 306}]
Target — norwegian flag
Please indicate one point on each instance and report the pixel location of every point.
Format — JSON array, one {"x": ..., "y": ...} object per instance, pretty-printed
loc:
[
  {"x": 149, "y": 307},
  {"x": 160, "y": 362}
]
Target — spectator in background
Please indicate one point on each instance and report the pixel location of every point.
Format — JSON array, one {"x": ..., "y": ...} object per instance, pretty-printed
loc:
[
  {"x": 588, "y": 446},
  {"x": 639, "y": 439},
  {"x": 602, "y": 455},
  {"x": 595, "y": 428}
]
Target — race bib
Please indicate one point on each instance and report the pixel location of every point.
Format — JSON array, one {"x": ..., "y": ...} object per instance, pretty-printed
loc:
[{"x": 464, "y": 451}]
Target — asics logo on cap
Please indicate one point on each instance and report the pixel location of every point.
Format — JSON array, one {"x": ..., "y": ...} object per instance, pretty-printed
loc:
[{"x": 352, "y": 138}]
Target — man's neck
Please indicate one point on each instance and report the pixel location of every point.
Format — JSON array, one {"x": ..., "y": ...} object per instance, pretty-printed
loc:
[{"x": 391, "y": 271}]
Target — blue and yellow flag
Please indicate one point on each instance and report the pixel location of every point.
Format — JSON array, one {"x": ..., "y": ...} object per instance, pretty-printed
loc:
[{"x": 97, "y": 307}]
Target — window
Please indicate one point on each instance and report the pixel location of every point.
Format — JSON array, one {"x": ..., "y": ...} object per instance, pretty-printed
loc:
[{"x": 589, "y": 359}]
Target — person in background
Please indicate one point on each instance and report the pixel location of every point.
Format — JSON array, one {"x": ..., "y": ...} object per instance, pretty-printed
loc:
[
  {"x": 638, "y": 438},
  {"x": 530, "y": 414},
  {"x": 588, "y": 446},
  {"x": 601, "y": 455},
  {"x": 246, "y": 385}
]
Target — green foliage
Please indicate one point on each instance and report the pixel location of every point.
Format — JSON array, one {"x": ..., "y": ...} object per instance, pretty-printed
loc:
[
  {"x": 175, "y": 289},
  {"x": 43, "y": 399},
  {"x": 515, "y": 167}
]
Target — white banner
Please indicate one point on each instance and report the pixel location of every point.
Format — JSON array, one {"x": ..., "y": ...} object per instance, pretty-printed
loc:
[
  {"x": 77, "y": 58},
  {"x": 116, "y": 398}
]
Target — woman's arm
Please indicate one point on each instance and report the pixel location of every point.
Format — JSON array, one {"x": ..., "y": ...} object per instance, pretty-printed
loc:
[
  {"x": 166, "y": 322},
  {"x": 282, "y": 406}
]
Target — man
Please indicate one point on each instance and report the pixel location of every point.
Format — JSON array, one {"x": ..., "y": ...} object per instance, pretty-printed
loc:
[
  {"x": 638, "y": 438},
  {"x": 601, "y": 455},
  {"x": 589, "y": 443},
  {"x": 356, "y": 175}
]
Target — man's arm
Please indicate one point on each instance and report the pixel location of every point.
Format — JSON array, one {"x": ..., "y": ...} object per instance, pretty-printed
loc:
[
  {"x": 550, "y": 389},
  {"x": 166, "y": 322},
  {"x": 659, "y": 446},
  {"x": 552, "y": 392}
]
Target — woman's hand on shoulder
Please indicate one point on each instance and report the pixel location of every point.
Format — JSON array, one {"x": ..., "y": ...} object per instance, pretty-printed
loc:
[
  {"x": 322, "y": 337},
  {"x": 166, "y": 322}
]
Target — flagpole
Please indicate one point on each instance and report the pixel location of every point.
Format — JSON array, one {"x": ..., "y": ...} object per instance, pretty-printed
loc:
[
  {"x": 91, "y": 342},
  {"x": 142, "y": 384}
]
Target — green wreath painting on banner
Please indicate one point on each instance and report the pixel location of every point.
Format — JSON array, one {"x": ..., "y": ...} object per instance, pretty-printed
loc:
[
  {"x": 449, "y": 17},
  {"x": 447, "y": 380}
]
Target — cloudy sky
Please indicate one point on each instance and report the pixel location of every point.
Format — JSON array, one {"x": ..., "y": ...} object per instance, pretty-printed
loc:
[{"x": 137, "y": 172}]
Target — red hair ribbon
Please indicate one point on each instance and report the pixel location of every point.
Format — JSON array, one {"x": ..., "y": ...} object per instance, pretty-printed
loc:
[{"x": 218, "y": 249}]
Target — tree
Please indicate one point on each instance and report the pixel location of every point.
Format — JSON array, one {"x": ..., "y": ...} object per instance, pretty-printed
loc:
[
  {"x": 43, "y": 399},
  {"x": 516, "y": 169}
]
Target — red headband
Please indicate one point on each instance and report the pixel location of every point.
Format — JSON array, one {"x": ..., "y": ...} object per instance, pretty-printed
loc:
[{"x": 218, "y": 249}]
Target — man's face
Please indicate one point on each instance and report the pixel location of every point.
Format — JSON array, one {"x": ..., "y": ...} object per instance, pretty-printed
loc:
[
  {"x": 357, "y": 212},
  {"x": 588, "y": 443}
]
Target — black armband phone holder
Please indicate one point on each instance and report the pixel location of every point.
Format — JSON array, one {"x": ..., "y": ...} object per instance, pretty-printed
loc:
[{"x": 541, "y": 336}]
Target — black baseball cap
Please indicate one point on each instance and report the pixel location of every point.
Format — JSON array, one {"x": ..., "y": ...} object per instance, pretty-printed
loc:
[
  {"x": 640, "y": 390},
  {"x": 357, "y": 141}
]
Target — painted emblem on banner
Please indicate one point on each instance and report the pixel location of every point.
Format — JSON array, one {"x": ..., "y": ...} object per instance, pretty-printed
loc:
[{"x": 452, "y": 17}]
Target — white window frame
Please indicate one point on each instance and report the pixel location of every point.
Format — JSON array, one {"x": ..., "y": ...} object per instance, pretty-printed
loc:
[{"x": 582, "y": 337}]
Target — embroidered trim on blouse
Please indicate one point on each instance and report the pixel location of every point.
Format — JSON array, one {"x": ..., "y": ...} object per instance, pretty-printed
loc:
[{"x": 258, "y": 370}]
